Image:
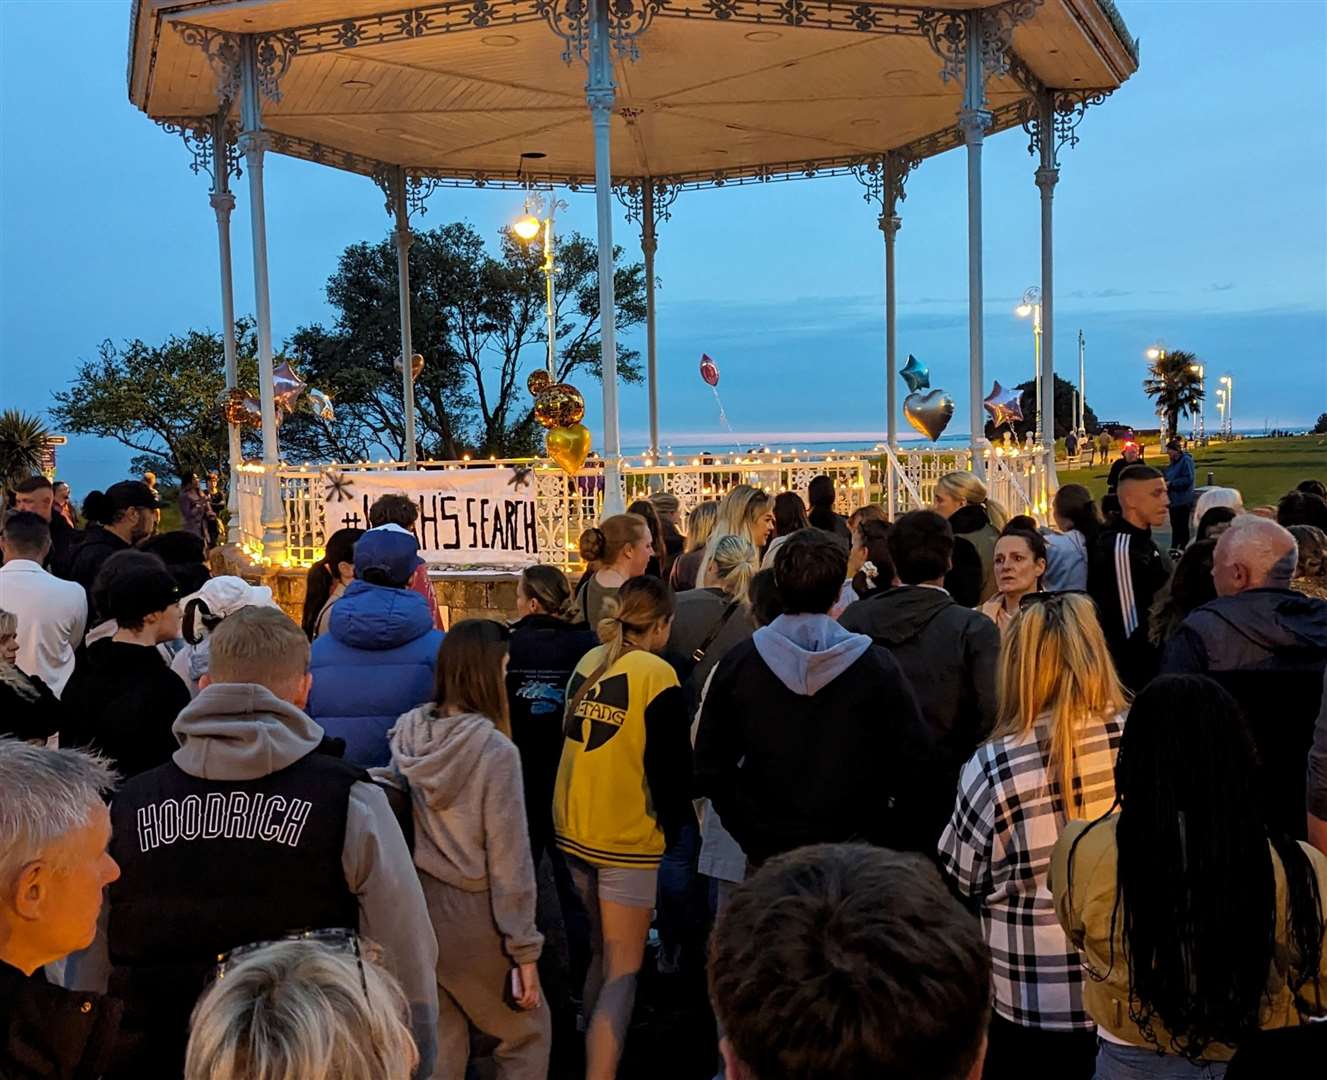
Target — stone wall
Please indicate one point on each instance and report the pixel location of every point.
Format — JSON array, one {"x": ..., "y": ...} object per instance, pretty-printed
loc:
[{"x": 460, "y": 596}]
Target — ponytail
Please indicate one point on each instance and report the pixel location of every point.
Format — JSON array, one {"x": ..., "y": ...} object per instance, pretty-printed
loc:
[
  {"x": 998, "y": 515},
  {"x": 735, "y": 562},
  {"x": 198, "y": 621},
  {"x": 99, "y": 508},
  {"x": 639, "y": 604}
]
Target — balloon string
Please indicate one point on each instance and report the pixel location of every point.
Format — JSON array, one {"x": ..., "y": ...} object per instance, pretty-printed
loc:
[{"x": 723, "y": 416}]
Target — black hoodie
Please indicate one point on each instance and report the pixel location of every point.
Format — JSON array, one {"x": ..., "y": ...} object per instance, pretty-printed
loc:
[
  {"x": 949, "y": 654},
  {"x": 122, "y": 699},
  {"x": 1268, "y": 647},
  {"x": 85, "y": 560}
]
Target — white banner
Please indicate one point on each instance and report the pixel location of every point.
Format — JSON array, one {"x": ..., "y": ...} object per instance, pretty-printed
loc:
[{"x": 467, "y": 517}]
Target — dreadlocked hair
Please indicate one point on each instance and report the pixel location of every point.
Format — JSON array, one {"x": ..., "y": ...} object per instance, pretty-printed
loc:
[
  {"x": 1195, "y": 890},
  {"x": 640, "y": 603}
]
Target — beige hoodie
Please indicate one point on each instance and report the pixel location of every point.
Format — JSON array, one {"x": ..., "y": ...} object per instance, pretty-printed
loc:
[{"x": 465, "y": 786}]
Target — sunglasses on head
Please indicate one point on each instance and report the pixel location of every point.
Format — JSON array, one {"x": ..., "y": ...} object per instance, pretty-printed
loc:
[
  {"x": 338, "y": 939},
  {"x": 1048, "y": 597}
]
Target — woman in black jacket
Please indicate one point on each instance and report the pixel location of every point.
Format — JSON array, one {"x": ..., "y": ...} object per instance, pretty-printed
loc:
[
  {"x": 28, "y": 709},
  {"x": 543, "y": 651}
]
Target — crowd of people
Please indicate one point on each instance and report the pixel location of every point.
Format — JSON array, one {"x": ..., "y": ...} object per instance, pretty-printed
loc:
[{"x": 951, "y": 796}]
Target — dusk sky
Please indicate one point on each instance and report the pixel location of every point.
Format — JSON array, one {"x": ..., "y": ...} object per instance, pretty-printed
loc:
[{"x": 1194, "y": 211}]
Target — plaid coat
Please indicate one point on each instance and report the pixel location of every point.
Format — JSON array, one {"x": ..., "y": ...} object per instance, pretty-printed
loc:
[{"x": 997, "y": 851}]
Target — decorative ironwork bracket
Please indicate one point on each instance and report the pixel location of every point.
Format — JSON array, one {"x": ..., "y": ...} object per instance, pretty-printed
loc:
[
  {"x": 417, "y": 189},
  {"x": 885, "y": 177},
  {"x": 196, "y": 131},
  {"x": 1070, "y": 108},
  {"x": 571, "y": 20},
  {"x": 947, "y": 34},
  {"x": 273, "y": 53},
  {"x": 631, "y": 194}
]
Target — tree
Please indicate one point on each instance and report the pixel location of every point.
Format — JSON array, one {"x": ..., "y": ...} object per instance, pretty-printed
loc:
[
  {"x": 22, "y": 443},
  {"x": 477, "y": 318},
  {"x": 160, "y": 400},
  {"x": 1064, "y": 411},
  {"x": 1175, "y": 385},
  {"x": 1320, "y": 428}
]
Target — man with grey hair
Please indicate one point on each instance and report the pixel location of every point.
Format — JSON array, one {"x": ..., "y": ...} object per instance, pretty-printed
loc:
[
  {"x": 54, "y": 834},
  {"x": 1267, "y": 644}
]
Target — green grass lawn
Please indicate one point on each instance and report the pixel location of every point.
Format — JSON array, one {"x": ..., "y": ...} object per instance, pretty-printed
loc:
[{"x": 1262, "y": 469}]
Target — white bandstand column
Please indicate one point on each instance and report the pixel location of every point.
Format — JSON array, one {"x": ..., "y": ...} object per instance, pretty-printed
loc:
[
  {"x": 649, "y": 243},
  {"x": 890, "y": 223},
  {"x": 223, "y": 203},
  {"x": 404, "y": 238},
  {"x": 253, "y": 142},
  {"x": 1047, "y": 175},
  {"x": 600, "y": 93},
  {"x": 973, "y": 120}
]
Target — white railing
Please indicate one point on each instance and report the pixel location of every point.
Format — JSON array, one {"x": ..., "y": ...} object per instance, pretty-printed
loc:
[{"x": 566, "y": 505}]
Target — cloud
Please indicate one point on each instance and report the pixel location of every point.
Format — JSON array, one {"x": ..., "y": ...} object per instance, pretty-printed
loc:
[
  {"x": 1222, "y": 286},
  {"x": 1099, "y": 294}
]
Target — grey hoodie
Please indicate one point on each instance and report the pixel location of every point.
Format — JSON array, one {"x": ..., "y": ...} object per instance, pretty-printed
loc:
[
  {"x": 808, "y": 652},
  {"x": 240, "y": 731},
  {"x": 464, "y": 778}
]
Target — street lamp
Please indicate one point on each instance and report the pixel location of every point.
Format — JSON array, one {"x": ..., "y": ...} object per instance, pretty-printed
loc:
[
  {"x": 1031, "y": 305},
  {"x": 1229, "y": 384},
  {"x": 1199, "y": 424},
  {"x": 540, "y": 212},
  {"x": 1156, "y": 353}
]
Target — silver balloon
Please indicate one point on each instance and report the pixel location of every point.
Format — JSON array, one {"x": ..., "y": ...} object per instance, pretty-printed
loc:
[
  {"x": 320, "y": 404},
  {"x": 287, "y": 386},
  {"x": 929, "y": 413}
]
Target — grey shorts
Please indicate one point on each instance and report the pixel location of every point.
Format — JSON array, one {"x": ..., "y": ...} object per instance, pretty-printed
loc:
[{"x": 633, "y": 888}]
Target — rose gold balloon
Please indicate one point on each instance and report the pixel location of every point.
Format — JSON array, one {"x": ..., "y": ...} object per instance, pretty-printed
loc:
[
  {"x": 561, "y": 405},
  {"x": 538, "y": 382}
]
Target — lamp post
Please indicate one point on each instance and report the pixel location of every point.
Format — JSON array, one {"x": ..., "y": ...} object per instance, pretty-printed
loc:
[
  {"x": 1156, "y": 353},
  {"x": 1229, "y": 384},
  {"x": 1081, "y": 424},
  {"x": 540, "y": 215},
  {"x": 1199, "y": 427},
  {"x": 1031, "y": 305},
  {"x": 1221, "y": 409}
]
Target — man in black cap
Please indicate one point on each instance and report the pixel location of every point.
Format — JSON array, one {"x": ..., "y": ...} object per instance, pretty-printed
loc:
[
  {"x": 122, "y": 697},
  {"x": 118, "y": 519}
]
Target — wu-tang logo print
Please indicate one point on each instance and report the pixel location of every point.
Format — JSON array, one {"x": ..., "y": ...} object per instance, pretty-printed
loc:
[{"x": 603, "y": 709}]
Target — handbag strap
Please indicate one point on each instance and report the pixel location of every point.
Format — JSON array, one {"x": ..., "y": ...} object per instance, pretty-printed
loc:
[{"x": 715, "y": 631}]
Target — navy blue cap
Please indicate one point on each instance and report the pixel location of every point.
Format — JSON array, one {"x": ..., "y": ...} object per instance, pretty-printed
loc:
[{"x": 391, "y": 551}]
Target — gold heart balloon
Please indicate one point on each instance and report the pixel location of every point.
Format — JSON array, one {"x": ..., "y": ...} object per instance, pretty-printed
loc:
[
  {"x": 929, "y": 413},
  {"x": 559, "y": 405},
  {"x": 569, "y": 446},
  {"x": 538, "y": 382},
  {"x": 416, "y": 366}
]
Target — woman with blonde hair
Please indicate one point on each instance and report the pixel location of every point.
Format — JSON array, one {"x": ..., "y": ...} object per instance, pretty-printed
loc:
[
  {"x": 700, "y": 526},
  {"x": 29, "y": 709},
  {"x": 977, "y": 521},
  {"x": 472, "y": 852},
  {"x": 301, "y": 1009},
  {"x": 745, "y": 511},
  {"x": 617, "y": 549},
  {"x": 622, "y": 797},
  {"x": 1050, "y": 760}
]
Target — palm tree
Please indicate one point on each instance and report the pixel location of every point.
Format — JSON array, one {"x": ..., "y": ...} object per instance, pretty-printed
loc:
[
  {"x": 1174, "y": 381},
  {"x": 22, "y": 442}
]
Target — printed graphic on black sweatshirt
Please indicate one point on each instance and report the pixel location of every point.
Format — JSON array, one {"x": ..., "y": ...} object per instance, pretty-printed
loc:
[
  {"x": 543, "y": 692},
  {"x": 605, "y": 707}
]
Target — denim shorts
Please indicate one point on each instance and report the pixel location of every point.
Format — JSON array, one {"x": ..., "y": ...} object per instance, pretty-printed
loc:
[
  {"x": 1117, "y": 1062},
  {"x": 634, "y": 888}
]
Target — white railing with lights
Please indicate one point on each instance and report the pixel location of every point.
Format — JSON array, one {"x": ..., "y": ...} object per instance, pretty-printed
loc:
[{"x": 567, "y": 505}]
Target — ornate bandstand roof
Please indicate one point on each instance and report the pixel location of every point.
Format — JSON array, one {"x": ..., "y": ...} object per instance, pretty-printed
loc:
[{"x": 709, "y": 92}]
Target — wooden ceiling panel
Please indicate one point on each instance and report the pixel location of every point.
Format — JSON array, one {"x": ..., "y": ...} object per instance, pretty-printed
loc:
[{"x": 704, "y": 94}]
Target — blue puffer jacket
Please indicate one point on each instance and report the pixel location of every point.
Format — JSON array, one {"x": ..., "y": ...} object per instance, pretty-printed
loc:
[
  {"x": 1179, "y": 482},
  {"x": 374, "y": 663}
]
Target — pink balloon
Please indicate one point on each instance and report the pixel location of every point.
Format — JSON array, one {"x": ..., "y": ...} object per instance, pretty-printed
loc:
[{"x": 709, "y": 370}]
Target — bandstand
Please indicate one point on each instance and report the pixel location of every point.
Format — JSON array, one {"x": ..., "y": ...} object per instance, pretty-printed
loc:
[{"x": 680, "y": 96}]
